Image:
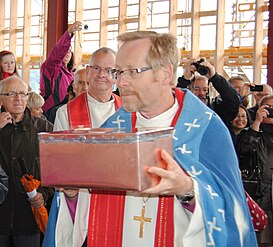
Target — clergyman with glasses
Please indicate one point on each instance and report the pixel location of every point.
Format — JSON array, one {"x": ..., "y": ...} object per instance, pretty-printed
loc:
[
  {"x": 199, "y": 198},
  {"x": 226, "y": 104},
  {"x": 89, "y": 109},
  {"x": 18, "y": 139}
]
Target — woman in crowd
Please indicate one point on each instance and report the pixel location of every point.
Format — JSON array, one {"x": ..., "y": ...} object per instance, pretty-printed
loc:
[
  {"x": 7, "y": 64},
  {"x": 240, "y": 122},
  {"x": 57, "y": 71},
  {"x": 35, "y": 103}
]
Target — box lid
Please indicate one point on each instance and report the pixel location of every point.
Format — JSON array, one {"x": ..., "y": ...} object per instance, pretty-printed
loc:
[{"x": 105, "y": 135}]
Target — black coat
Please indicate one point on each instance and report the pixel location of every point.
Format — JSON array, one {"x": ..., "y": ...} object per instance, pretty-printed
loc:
[
  {"x": 21, "y": 140},
  {"x": 252, "y": 112},
  {"x": 256, "y": 148}
]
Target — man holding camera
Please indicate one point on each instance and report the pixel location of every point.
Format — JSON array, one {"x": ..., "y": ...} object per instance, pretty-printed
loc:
[
  {"x": 258, "y": 95},
  {"x": 226, "y": 104}
]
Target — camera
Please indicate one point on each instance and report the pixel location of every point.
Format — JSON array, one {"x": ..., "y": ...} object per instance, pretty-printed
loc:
[
  {"x": 256, "y": 88},
  {"x": 84, "y": 26},
  {"x": 202, "y": 70},
  {"x": 270, "y": 110}
]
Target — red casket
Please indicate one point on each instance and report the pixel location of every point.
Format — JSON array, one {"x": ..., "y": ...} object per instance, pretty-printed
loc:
[{"x": 101, "y": 158}]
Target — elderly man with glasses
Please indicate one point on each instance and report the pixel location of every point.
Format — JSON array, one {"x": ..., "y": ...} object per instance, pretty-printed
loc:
[
  {"x": 92, "y": 108},
  {"x": 18, "y": 139}
]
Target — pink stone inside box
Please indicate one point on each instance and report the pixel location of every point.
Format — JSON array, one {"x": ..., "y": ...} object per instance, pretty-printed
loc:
[{"x": 101, "y": 158}]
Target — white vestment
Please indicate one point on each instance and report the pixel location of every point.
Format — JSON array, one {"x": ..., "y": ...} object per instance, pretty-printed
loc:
[
  {"x": 67, "y": 233},
  {"x": 99, "y": 113},
  {"x": 189, "y": 227}
]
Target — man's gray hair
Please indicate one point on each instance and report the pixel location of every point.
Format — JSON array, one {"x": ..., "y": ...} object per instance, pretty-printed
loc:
[
  {"x": 105, "y": 50},
  {"x": 8, "y": 80}
]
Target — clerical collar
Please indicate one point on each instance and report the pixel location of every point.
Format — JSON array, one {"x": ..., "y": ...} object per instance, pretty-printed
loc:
[
  {"x": 162, "y": 120},
  {"x": 93, "y": 100}
]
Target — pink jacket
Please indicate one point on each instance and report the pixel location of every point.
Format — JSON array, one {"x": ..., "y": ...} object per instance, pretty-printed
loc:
[{"x": 54, "y": 77}]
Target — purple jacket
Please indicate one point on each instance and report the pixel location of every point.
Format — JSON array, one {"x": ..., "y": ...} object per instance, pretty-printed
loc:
[{"x": 54, "y": 77}]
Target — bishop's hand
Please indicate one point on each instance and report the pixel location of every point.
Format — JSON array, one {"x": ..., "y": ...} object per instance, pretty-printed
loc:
[{"x": 173, "y": 180}]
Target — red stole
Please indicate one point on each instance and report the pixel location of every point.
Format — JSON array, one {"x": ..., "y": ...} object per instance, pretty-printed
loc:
[
  {"x": 78, "y": 111},
  {"x": 106, "y": 215}
]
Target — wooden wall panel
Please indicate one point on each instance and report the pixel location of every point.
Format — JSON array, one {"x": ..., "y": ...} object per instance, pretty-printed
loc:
[
  {"x": 26, "y": 42},
  {"x": 220, "y": 34},
  {"x": 172, "y": 17},
  {"x": 258, "y": 43},
  {"x": 78, "y": 35},
  {"x": 13, "y": 26},
  {"x": 195, "y": 32},
  {"x": 142, "y": 18},
  {"x": 122, "y": 16},
  {"x": 2, "y": 24},
  {"x": 270, "y": 46},
  {"x": 103, "y": 22}
]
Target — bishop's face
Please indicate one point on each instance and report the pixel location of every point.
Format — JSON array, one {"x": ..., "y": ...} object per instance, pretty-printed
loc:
[{"x": 139, "y": 91}]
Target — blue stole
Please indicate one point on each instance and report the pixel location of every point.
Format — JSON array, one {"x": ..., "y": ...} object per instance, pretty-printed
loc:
[
  {"x": 49, "y": 238},
  {"x": 203, "y": 148}
]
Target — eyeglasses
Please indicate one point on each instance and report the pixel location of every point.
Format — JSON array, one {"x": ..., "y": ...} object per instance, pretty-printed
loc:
[
  {"x": 195, "y": 88},
  {"x": 14, "y": 94},
  {"x": 109, "y": 71},
  {"x": 130, "y": 73}
]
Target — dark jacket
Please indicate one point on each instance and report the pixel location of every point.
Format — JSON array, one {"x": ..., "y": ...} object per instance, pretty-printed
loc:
[
  {"x": 226, "y": 105},
  {"x": 252, "y": 111},
  {"x": 21, "y": 140},
  {"x": 256, "y": 148}
]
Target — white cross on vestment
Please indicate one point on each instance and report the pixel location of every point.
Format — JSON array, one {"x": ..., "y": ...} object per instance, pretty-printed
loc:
[
  {"x": 118, "y": 121},
  {"x": 195, "y": 173},
  {"x": 210, "y": 114},
  {"x": 222, "y": 212},
  {"x": 213, "y": 225},
  {"x": 211, "y": 240},
  {"x": 212, "y": 194},
  {"x": 192, "y": 125},
  {"x": 174, "y": 137},
  {"x": 183, "y": 150}
]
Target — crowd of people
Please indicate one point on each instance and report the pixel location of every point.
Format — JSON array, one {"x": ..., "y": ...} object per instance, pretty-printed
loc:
[{"x": 216, "y": 189}]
